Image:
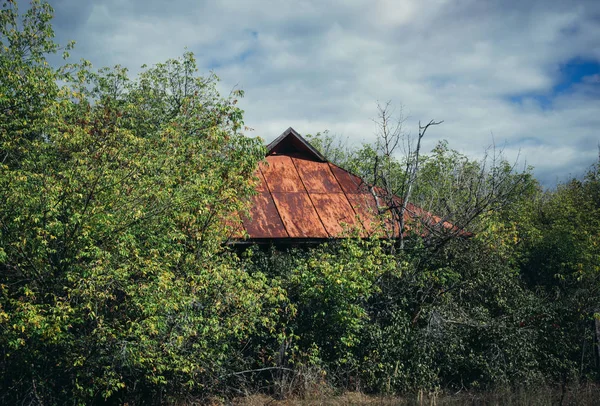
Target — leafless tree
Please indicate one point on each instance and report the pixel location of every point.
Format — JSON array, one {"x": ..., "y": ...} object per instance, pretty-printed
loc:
[
  {"x": 390, "y": 136},
  {"x": 455, "y": 199}
]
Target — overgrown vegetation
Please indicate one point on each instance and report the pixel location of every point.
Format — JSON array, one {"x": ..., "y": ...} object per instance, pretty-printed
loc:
[{"x": 116, "y": 285}]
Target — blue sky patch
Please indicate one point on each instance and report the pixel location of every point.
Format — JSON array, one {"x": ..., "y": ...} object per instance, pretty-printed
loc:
[
  {"x": 572, "y": 73},
  {"x": 575, "y": 71}
]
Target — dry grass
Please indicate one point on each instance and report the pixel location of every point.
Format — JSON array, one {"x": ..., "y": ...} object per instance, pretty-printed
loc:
[
  {"x": 347, "y": 399},
  {"x": 584, "y": 395}
]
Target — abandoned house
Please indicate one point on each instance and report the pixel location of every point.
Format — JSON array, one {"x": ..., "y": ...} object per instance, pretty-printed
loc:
[{"x": 302, "y": 198}]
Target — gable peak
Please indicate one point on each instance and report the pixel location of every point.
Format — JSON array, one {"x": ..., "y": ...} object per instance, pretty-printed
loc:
[{"x": 291, "y": 142}]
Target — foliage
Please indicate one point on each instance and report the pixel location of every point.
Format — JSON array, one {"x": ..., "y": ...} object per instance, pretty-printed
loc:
[
  {"x": 116, "y": 198},
  {"x": 458, "y": 190},
  {"x": 511, "y": 305},
  {"x": 119, "y": 196},
  {"x": 560, "y": 258},
  {"x": 329, "y": 287}
]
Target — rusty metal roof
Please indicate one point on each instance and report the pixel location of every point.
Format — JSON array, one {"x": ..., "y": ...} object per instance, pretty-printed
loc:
[{"x": 302, "y": 196}]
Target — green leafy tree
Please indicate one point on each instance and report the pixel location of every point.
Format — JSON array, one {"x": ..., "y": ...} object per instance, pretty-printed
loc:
[
  {"x": 451, "y": 313},
  {"x": 328, "y": 287},
  {"x": 28, "y": 84},
  {"x": 560, "y": 257},
  {"x": 117, "y": 198}
]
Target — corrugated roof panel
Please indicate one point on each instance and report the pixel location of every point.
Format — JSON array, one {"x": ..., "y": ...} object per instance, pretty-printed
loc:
[
  {"x": 264, "y": 221},
  {"x": 366, "y": 210},
  {"x": 334, "y": 211},
  {"x": 298, "y": 215},
  {"x": 364, "y": 204},
  {"x": 281, "y": 175},
  {"x": 260, "y": 184},
  {"x": 350, "y": 183},
  {"x": 316, "y": 176}
]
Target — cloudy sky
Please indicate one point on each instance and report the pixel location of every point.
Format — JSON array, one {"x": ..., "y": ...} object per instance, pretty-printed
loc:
[{"x": 523, "y": 74}]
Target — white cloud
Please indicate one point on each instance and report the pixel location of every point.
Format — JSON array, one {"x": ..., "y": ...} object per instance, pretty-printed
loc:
[{"x": 318, "y": 65}]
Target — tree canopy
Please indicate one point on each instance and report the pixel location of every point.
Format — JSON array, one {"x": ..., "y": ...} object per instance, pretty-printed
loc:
[{"x": 118, "y": 196}]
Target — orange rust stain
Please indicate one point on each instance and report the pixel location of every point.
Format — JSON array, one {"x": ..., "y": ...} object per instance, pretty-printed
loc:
[
  {"x": 366, "y": 210},
  {"x": 334, "y": 211},
  {"x": 316, "y": 176},
  {"x": 264, "y": 221},
  {"x": 260, "y": 185},
  {"x": 281, "y": 175},
  {"x": 350, "y": 183},
  {"x": 336, "y": 202},
  {"x": 299, "y": 216}
]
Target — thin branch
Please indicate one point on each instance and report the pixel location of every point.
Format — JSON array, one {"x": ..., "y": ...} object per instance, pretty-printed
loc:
[{"x": 248, "y": 371}]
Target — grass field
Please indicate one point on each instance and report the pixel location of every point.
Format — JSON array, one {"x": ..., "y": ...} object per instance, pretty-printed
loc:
[{"x": 581, "y": 395}]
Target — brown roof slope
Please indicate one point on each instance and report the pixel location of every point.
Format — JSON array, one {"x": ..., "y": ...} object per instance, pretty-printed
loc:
[{"x": 302, "y": 196}]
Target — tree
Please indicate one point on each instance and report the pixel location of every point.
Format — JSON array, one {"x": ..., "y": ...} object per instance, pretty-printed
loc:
[
  {"x": 560, "y": 257},
  {"x": 116, "y": 199},
  {"x": 28, "y": 84},
  {"x": 388, "y": 138},
  {"x": 449, "y": 313},
  {"x": 441, "y": 194}
]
